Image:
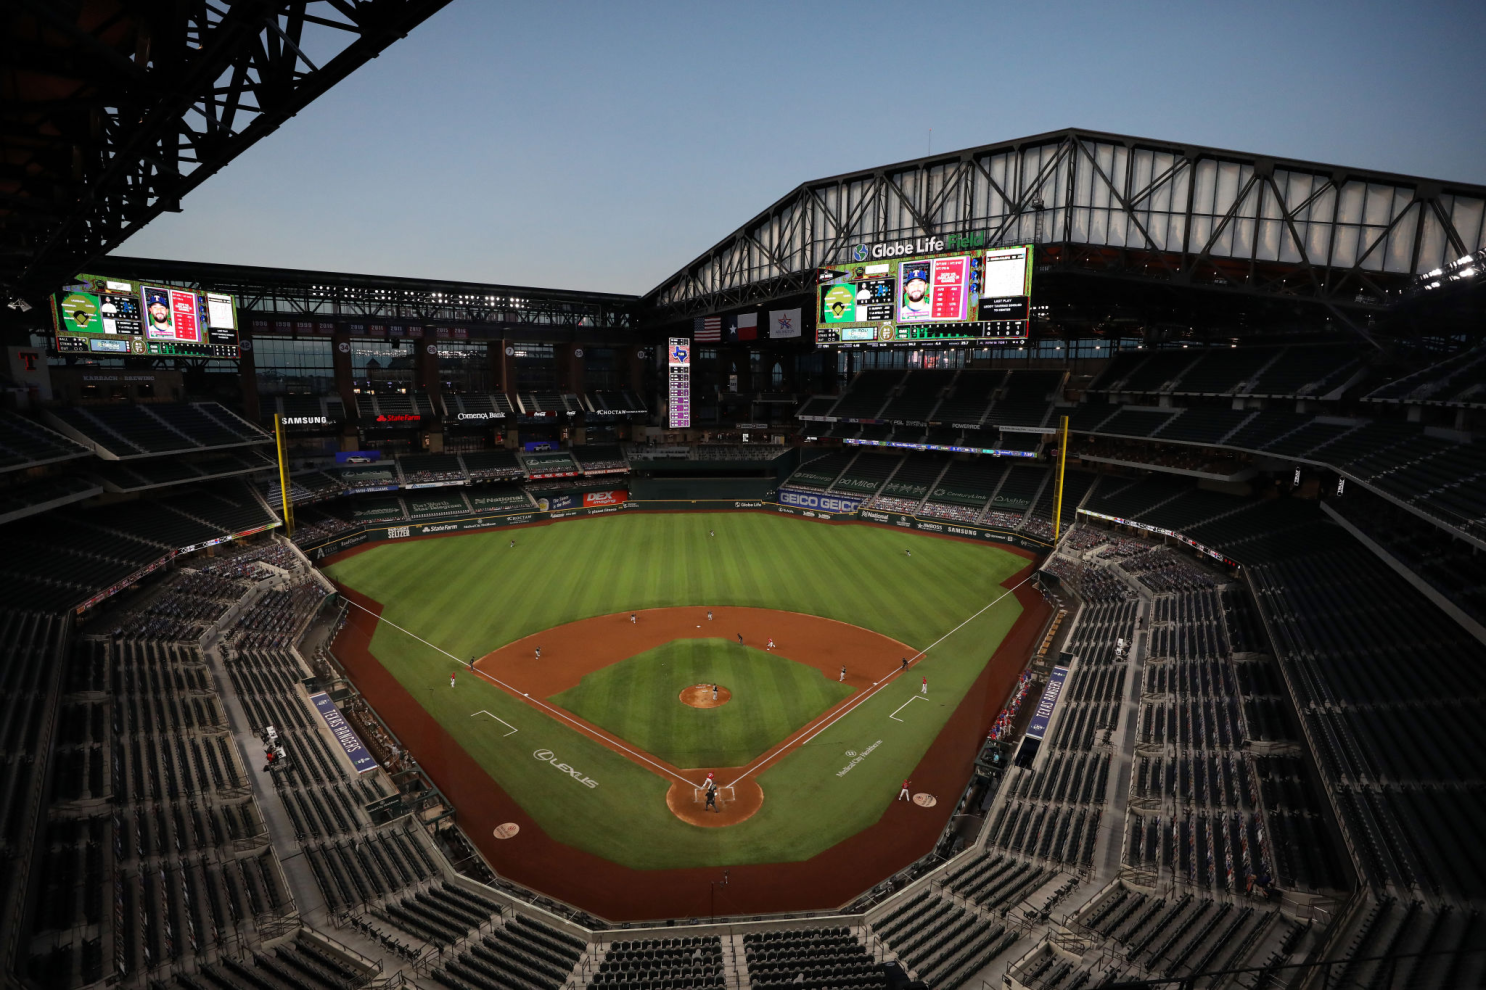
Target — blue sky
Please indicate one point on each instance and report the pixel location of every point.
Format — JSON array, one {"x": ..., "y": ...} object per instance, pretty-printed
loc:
[{"x": 603, "y": 146}]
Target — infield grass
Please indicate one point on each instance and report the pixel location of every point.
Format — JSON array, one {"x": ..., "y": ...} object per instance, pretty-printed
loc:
[
  {"x": 471, "y": 593},
  {"x": 638, "y": 700}
]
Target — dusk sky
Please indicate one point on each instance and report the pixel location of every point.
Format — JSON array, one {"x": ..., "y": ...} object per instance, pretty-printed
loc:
[{"x": 603, "y": 146}]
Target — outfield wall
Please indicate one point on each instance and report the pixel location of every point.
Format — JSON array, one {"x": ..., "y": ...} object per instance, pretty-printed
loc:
[{"x": 822, "y": 507}]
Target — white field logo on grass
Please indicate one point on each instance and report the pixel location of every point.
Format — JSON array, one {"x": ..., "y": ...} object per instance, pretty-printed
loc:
[
  {"x": 857, "y": 759},
  {"x": 546, "y": 756}
]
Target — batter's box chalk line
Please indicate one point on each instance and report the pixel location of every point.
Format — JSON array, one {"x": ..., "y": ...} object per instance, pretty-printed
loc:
[
  {"x": 725, "y": 793},
  {"x": 502, "y": 721},
  {"x": 894, "y": 715}
]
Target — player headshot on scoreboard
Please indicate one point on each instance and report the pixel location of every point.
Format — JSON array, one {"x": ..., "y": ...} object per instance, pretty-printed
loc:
[
  {"x": 157, "y": 305},
  {"x": 916, "y": 292}
]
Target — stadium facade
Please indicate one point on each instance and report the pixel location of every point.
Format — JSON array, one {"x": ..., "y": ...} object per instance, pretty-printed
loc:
[{"x": 1240, "y": 436}]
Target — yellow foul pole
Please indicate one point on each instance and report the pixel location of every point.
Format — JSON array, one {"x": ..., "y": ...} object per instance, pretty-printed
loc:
[
  {"x": 1058, "y": 500},
  {"x": 286, "y": 501}
]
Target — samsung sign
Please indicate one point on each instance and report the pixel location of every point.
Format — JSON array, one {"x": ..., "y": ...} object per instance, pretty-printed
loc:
[{"x": 818, "y": 500}]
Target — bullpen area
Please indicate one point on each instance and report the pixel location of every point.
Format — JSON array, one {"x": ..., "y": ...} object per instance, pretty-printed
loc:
[{"x": 582, "y": 684}]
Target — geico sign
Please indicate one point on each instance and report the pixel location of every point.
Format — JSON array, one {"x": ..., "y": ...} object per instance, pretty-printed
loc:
[
  {"x": 546, "y": 756},
  {"x": 829, "y": 503}
]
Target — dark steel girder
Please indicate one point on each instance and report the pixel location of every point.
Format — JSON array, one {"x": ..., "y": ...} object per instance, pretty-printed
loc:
[
  {"x": 111, "y": 111},
  {"x": 1346, "y": 241}
]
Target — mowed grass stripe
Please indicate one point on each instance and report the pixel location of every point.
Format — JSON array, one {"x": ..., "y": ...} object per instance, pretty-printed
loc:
[{"x": 638, "y": 699}]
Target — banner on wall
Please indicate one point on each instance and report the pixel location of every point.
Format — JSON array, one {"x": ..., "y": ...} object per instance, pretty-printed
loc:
[
  {"x": 1043, "y": 714},
  {"x": 593, "y": 500},
  {"x": 350, "y": 743},
  {"x": 784, "y": 323}
]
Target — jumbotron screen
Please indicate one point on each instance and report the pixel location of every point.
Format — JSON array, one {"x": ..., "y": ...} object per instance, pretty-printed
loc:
[
  {"x": 109, "y": 316},
  {"x": 882, "y": 297}
]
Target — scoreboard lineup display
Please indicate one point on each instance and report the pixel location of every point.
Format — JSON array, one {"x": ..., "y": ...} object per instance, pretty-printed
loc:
[
  {"x": 925, "y": 290},
  {"x": 100, "y": 315}
]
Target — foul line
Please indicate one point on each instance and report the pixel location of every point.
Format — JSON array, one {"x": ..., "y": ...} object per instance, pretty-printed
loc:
[
  {"x": 894, "y": 715},
  {"x": 502, "y": 721},
  {"x": 558, "y": 712},
  {"x": 768, "y": 757}
]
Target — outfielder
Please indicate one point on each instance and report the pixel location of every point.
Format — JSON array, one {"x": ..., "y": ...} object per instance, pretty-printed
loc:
[
  {"x": 925, "y": 688},
  {"x": 451, "y": 678},
  {"x": 903, "y": 795}
]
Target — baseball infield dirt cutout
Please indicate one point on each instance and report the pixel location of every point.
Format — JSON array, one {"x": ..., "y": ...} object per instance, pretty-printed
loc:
[
  {"x": 735, "y": 804},
  {"x": 576, "y": 648},
  {"x": 702, "y": 696}
]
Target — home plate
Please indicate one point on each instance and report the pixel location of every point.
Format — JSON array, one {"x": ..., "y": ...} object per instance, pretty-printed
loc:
[
  {"x": 507, "y": 830},
  {"x": 925, "y": 800}
]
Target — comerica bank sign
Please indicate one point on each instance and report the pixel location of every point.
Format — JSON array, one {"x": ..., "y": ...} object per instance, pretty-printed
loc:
[{"x": 920, "y": 245}]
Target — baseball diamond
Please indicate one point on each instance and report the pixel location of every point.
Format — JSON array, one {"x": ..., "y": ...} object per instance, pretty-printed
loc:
[{"x": 603, "y": 697}]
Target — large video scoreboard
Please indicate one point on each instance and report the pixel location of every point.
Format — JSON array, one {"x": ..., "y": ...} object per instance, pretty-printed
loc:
[
  {"x": 930, "y": 289},
  {"x": 109, "y": 316}
]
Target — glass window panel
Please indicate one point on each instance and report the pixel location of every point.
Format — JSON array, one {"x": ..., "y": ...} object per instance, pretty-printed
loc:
[
  {"x": 284, "y": 366},
  {"x": 1467, "y": 217},
  {"x": 382, "y": 366},
  {"x": 1352, "y": 203},
  {"x": 1344, "y": 254},
  {"x": 1399, "y": 253},
  {"x": 1275, "y": 242},
  {"x": 1243, "y": 238}
]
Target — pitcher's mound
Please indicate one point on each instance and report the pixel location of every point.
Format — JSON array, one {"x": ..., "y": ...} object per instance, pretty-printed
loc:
[
  {"x": 734, "y": 804},
  {"x": 700, "y": 696}
]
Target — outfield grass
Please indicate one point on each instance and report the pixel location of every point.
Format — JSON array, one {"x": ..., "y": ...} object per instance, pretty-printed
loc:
[
  {"x": 469, "y": 594},
  {"x": 638, "y": 700}
]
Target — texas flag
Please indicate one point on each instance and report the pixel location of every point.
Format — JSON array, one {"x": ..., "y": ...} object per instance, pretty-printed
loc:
[{"x": 744, "y": 326}]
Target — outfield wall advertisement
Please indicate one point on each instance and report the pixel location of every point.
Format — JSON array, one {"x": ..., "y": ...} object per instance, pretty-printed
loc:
[
  {"x": 821, "y": 501},
  {"x": 954, "y": 529},
  {"x": 824, "y": 506}
]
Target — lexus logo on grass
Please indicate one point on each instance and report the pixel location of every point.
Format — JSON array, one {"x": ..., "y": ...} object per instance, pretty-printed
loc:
[{"x": 547, "y": 756}]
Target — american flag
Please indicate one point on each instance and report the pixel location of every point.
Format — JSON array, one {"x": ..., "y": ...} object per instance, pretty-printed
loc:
[{"x": 707, "y": 330}]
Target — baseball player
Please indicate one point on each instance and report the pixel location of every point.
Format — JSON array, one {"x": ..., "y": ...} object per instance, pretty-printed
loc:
[
  {"x": 771, "y": 643},
  {"x": 714, "y": 692},
  {"x": 539, "y": 653},
  {"x": 710, "y": 533},
  {"x": 451, "y": 678},
  {"x": 908, "y": 552},
  {"x": 712, "y": 797},
  {"x": 709, "y": 615},
  {"x": 472, "y": 663},
  {"x": 905, "y": 663},
  {"x": 632, "y": 618},
  {"x": 513, "y": 544},
  {"x": 903, "y": 795},
  {"x": 925, "y": 688},
  {"x": 843, "y": 674},
  {"x": 740, "y": 639}
]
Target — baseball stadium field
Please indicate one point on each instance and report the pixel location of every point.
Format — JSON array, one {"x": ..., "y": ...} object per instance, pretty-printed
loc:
[{"x": 605, "y": 741}]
